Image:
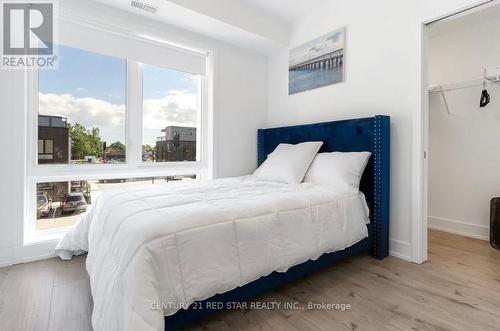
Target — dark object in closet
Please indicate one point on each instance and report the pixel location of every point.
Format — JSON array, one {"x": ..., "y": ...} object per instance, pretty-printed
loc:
[
  {"x": 485, "y": 98},
  {"x": 495, "y": 223}
]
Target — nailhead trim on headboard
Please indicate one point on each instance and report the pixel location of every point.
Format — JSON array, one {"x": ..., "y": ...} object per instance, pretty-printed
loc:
[
  {"x": 261, "y": 153},
  {"x": 376, "y": 196},
  {"x": 381, "y": 177}
]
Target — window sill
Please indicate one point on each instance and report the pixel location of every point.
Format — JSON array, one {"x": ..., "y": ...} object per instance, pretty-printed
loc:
[{"x": 45, "y": 236}]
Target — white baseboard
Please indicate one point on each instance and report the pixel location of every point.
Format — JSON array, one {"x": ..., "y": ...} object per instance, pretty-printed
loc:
[
  {"x": 400, "y": 249},
  {"x": 8, "y": 263},
  {"x": 6, "y": 253},
  {"x": 459, "y": 227},
  {"x": 29, "y": 253}
]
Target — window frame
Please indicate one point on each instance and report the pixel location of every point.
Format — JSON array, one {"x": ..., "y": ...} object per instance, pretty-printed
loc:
[{"x": 133, "y": 165}]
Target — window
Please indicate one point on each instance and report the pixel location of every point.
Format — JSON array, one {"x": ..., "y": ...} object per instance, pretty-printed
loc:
[
  {"x": 48, "y": 146},
  {"x": 117, "y": 107},
  {"x": 45, "y": 150},
  {"x": 60, "y": 204},
  {"x": 45, "y": 146},
  {"x": 81, "y": 108},
  {"x": 171, "y": 115}
]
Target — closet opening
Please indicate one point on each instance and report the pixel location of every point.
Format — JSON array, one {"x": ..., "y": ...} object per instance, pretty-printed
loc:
[{"x": 461, "y": 132}]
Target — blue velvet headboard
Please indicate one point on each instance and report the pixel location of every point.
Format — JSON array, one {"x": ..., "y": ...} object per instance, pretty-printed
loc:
[{"x": 356, "y": 135}]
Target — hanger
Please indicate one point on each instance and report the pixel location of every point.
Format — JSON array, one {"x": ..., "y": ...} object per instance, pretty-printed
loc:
[{"x": 485, "y": 96}]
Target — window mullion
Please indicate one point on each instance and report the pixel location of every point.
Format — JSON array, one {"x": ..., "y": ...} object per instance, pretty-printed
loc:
[{"x": 134, "y": 114}]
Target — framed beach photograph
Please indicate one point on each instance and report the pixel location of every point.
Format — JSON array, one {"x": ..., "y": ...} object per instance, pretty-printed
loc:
[{"x": 317, "y": 63}]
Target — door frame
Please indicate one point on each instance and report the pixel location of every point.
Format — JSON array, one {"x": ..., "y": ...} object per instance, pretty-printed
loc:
[{"x": 420, "y": 178}]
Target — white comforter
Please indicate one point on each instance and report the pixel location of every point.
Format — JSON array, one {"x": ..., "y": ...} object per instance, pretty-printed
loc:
[{"x": 169, "y": 245}]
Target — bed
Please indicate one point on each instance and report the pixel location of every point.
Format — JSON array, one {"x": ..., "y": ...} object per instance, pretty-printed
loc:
[{"x": 158, "y": 255}]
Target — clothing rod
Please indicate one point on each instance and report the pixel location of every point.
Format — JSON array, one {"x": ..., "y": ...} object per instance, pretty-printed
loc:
[{"x": 460, "y": 85}]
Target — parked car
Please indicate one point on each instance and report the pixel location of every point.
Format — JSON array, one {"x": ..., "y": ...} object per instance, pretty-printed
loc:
[
  {"x": 82, "y": 186},
  {"x": 74, "y": 201},
  {"x": 43, "y": 205}
]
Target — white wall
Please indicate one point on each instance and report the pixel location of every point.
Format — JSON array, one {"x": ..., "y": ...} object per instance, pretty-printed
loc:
[
  {"x": 383, "y": 76},
  {"x": 464, "y": 156},
  {"x": 240, "y": 101},
  {"x": 240, "y": 110}
]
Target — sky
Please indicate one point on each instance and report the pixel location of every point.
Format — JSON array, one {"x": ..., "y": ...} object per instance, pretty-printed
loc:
[
  {"x": 322, "y": 45},
  {"x": 89, "y": 89}
]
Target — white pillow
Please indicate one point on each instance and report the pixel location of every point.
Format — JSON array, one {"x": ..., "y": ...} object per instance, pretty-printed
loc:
[
  {"x": 288, "y": 163},
  {"x": 341, "y": 170}
]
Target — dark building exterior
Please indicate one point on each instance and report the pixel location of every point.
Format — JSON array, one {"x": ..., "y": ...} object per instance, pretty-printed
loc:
[
  {"x": 53, "y": 140},
  {"x": 115, "y": 155},
  {"x": 178, "y": 144}
]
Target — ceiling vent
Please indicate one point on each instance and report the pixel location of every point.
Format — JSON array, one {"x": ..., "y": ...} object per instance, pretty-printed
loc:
[{"x": 143, "y": 6}]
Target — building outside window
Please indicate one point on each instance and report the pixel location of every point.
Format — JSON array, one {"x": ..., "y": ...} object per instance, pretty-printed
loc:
[
  {"x": 53, "y": 140},
  {"x": 178, "y": 144}
]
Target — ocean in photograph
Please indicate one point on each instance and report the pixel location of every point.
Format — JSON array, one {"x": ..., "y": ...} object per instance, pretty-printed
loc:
[
  {"x": 303, "y": 80},
  {"x": 317, "y": 63}
]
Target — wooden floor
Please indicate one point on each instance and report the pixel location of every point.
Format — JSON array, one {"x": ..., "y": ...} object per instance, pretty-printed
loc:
[{"x": 457, "y": 289}]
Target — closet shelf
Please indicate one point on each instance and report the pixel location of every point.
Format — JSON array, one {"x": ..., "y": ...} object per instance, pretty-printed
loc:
[
  {"x": 462, "y": 85},
  {"x": 491, "y": 75}
]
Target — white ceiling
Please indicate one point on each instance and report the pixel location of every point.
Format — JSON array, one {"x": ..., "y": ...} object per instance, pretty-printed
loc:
[
  {"x": 231, "y": 21},
  {"x": 259, "y": 25},
  {"x": 286, "y": 11},
  {"x": 465, "y": 20}
]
